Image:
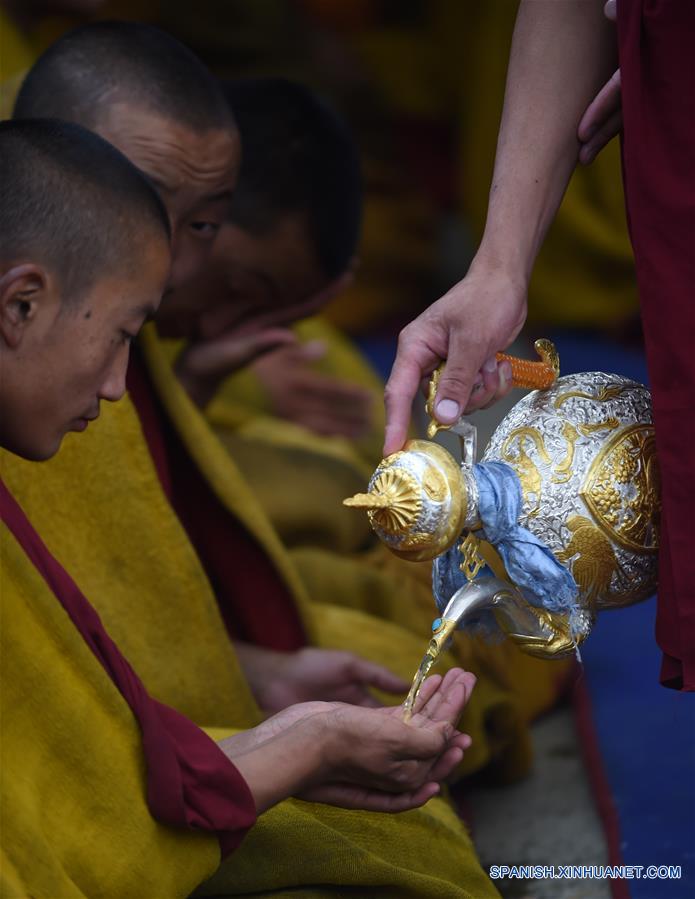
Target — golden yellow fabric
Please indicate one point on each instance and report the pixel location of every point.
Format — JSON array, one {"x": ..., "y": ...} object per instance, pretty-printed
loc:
[
  {"x": 301, "y": 490},
  {"x": 74, "y": 818},
  {"x": 76, "y": 824},
  {"x": 424, "y": 854}
]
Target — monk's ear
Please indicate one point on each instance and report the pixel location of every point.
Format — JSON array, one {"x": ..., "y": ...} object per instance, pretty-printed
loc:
[{"x": 23, "y": 290}]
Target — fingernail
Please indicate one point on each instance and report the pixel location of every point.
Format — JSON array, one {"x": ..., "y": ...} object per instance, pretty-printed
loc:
[
  {"x": 505, "y": 374},
  {"x": 490, "y": 365},
  {"x": 447, "y": 411}
]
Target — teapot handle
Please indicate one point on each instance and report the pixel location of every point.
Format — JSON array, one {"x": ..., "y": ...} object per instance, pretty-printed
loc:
[{"x": 525, "y": 373}]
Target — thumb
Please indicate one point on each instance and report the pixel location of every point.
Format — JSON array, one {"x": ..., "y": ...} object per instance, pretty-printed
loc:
[
  {"x": 456, "y": 381},
  {"x": 372, "y": 675}
]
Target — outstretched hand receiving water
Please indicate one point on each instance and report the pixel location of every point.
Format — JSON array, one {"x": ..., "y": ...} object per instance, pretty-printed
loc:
[{"x": 356, "y": 757}]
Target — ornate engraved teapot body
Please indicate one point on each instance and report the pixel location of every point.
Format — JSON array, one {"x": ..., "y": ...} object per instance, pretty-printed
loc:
[{"x": 559, "y": 521}]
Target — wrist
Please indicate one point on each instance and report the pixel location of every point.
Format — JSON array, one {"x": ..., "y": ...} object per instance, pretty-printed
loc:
[
  {"x": 331, "y": 741},
  {"x": 503, "y": 255},
  {"x": 277, "y": 767}
]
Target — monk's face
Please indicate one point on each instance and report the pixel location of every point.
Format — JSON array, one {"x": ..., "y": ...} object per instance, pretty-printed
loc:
[
  {"x": 61, "y": 356},
  {"x": 195, "y": 173},
  {"x": 256, "y": 281}
]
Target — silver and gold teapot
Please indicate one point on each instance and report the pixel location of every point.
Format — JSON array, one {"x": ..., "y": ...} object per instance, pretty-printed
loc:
[{"x": 558, "y": 521}]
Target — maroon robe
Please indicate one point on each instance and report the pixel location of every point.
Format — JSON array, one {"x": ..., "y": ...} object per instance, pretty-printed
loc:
[
  {"x": 657, "y": 62},
  {"x": 190, "y": 782},
  {"x": 249, "y": 591}
]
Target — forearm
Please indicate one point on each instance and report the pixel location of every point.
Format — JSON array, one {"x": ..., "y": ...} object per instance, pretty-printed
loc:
[
  {"x": 562, "y": 52},
  {"x": 279, "y": 766}
]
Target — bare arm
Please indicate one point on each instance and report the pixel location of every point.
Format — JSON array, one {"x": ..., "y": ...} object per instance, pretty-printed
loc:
[{"x": 562, "y": 52}]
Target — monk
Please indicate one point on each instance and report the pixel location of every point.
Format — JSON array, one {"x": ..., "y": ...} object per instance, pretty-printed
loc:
[
  {"x": 207, "y": 562},
  {"x": 105, "y": 790},
  {"x": 290, "y": 247},
  {"x": 286, "y": 249}
]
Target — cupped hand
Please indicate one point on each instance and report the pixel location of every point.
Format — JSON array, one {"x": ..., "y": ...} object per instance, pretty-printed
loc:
[
  {"x": 477, "y": 318},
  {"x": 381, "y": 777},
  {"x": 279, "y": 680},
  {"x": 297, "y": 392},
  {"x": 356, "y": 757}
]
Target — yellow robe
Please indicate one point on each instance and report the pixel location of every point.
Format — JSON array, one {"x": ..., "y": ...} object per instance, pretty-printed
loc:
[{"x": 75, "y": 823}]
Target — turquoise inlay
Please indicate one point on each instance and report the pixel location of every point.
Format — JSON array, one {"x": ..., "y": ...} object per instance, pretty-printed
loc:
[{"x": 436, "y": 624}]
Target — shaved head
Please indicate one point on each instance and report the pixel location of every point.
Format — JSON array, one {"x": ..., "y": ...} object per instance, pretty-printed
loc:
[
  {"x": 72, "y": 202},
  {"x": 96, "y": 65}
]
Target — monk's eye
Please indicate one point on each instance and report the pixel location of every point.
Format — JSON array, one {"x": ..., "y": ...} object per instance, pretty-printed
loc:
[{"x": 205, "y": 230}]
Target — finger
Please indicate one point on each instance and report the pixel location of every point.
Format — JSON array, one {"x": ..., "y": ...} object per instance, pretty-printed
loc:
[
  {"x": 451, "y": 697},
  {"x": 373, "y": 675},
  {"x": 463, "y": 741},
  {"x": 505, "y": 384},
  {"x": 602, "y": 107},
  {"x": 427, "y": 691},
  {"x": 604, "y": 135},
  {"x": 458, "y": 377},
  {"x": 423, "y": 743},
  {"x": 446, "y": 763},
  {"x": 335, "y": 390},
  {"x": 355, "y": 797},
  {"x": 485, "y": 386},
  {"x": 231, "y": 353},
  {"x": 414, "y": 360}
]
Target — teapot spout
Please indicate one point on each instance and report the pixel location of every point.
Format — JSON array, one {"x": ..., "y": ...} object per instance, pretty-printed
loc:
[
  {"x": 535, "y": 631},
  {"x": 476, "y": 597}
]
